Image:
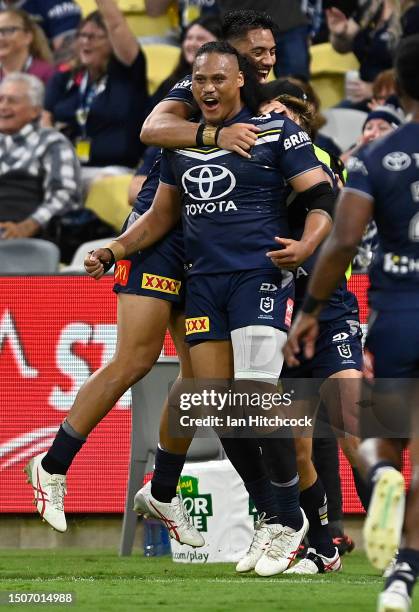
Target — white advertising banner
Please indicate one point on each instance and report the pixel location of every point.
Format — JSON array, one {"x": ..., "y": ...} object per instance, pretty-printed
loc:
[{"x": 218, "y": 504}]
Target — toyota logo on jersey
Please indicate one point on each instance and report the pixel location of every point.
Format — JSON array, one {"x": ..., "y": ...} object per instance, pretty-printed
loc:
[
  {"x": 396, "y": 161},
  {"x": 209, "y": 181}
]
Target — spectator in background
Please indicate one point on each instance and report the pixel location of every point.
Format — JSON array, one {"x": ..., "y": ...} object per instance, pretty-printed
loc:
[
  {"x": 103, "y": 101},
  {"x": 23, "y": 46},
  {"x": 372, "y": 34},
  {"x": 381, "y": 121},
  {"x": 39, "y": 177},
  {"x": 189, "y": 10},
  {"x": 58, "y": 18},
  {"x": 200, "y": 31},
  {"x": 383, "y": 87},
  {"x": 321, "y": 140}
]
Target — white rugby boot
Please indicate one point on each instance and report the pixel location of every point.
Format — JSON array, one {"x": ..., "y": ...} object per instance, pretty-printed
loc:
[
  {"x": 261, "y": 539},
  {"x": 282, "y": 549},
  {"x": 394, "y": 598},
  {"x": 172, "y": 514},
  {"x": 49, "y": 491},
  {"x": 314, "y": 563}
]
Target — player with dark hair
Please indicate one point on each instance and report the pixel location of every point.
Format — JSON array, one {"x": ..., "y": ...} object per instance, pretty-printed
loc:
[
  {"x": 238, "y": 23},
  {"x": 150, "y": 288},
  {"x": 252, "y": 33},
  {"x": 226, "y": 240},
  {"x": 383, "y": 183},
  {"x": 167, "y": 125}
]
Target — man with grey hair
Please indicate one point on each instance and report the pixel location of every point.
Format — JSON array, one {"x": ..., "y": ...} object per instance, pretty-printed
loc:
[{"x": 39, "y": 171}]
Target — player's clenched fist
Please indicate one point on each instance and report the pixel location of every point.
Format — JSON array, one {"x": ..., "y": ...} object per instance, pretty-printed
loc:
[{"x": 95, "y": 262}]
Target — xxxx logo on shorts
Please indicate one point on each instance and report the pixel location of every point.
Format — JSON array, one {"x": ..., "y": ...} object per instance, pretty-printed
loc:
[
  {"x": 122, "y": 272},
  {"x": 198, "y": 325},
  {"x": 160, "y": 283}
]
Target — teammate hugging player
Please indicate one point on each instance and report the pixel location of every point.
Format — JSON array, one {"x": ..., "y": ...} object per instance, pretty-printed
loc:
[
  {"x": 150, "y": 288},
  {"x": 226, "y": 244}
]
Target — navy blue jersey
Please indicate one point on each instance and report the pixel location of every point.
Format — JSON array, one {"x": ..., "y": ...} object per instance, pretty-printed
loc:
[
  {"x": 54, "y": 16},
  {"x": 342, "y": 302},
  {"x": 387, "y": 172},
  {"x": 182, "y": 91},
  {"x": 148, "y": 190},
  {"x": 233, "y": 207}
]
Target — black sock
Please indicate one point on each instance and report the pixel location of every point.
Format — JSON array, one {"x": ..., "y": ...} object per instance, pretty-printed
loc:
[
  {"x": 336, "y": 529},
  {"x": 406, "y": 569},
  {"x": 287, "y": 496},
  {"x": 314, "y": 503},
  {"x": 261, "y": 493},
  {"x": 280, "y": 462},
  {"x": 63, "y": 450},
  {"x": 246, "y": 458},
  {"x": 167, "y": 470},
  {"x": 326, "y": 462},
  {"x": 362, "y": 489}
]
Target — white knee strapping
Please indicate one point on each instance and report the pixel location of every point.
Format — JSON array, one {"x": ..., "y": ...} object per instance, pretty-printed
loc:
[{"x": 258, "y": 352}]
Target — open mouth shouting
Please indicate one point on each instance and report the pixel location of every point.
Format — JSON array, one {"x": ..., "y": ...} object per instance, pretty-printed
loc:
[{"x": 210, "y": 103}]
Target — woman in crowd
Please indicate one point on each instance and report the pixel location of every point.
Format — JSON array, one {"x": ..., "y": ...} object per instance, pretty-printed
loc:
[
  {"x": 200, "y": 31},
  {"x": 23, "y": 46},
  {"x": 380, "y": 121},
  {"x": 372, "y": 34},
  {"x": 383, "y": 87},
  {"x": 103, "y": 100}
]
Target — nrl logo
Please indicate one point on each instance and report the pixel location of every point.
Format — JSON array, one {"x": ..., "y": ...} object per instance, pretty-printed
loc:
[{"x": 267, "y": 304}]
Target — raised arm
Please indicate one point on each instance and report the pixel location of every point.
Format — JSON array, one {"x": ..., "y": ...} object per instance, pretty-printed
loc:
[
  {"x": 153, "y": 225},
  {"x": 123, "y": 41},
  {"x": 155, "y": 8},
  {"x": 342, "y": 30}
]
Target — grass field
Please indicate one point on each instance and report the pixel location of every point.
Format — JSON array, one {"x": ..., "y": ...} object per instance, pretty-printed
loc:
[{"x": 102, "y": 581}]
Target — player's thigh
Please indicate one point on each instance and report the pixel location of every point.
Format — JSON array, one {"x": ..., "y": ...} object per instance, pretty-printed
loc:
[
  {"x": 212, "y": 359},
  {"x": 141, "y": 326}
]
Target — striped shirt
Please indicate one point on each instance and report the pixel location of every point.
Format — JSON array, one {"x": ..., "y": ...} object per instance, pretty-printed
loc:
[{"x": 46, "y": 155}]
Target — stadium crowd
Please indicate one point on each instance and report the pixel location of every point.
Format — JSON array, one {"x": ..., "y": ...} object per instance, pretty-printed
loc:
[
  {"x": 96, "y": 81},
  {"x": 267, "y": 133}
]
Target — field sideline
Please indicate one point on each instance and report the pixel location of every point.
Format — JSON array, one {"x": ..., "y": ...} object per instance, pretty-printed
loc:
[{"x": 102, "y": 581}]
